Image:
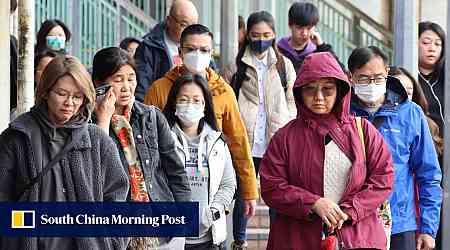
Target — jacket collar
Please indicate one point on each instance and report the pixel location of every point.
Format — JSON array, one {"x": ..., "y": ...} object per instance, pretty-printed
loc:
[
  {"x": 248, "y": 57},
  {"x": 210, "y": 135},
  {"x": 216, "y": 83},
  {"x": 155, "y": 38},
  {"x": 138, "y": 107},
  {"x": 395, "y": 97},
  {"x": 27, "y": 125},
  {"x": 284, "y": 45}
]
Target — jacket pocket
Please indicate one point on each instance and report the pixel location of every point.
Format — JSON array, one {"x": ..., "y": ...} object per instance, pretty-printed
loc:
[
  {"x": 399, "y": 200},
  {"x": 367, "y": 233}
]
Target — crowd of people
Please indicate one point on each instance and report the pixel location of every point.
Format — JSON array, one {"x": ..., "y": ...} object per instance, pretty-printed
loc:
[{"x": 348, "y": 154}]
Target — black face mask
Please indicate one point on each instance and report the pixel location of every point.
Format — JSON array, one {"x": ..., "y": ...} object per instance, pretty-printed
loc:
[{"x": 259, "y": 46}]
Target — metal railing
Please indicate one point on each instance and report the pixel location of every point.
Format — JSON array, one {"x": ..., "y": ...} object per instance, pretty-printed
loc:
[
  {"x": 100, "y": 23},
  {"x": 97, "y": 23},
  {"x": 345, "y": 32},
  {"x": 342, "y": 30}
]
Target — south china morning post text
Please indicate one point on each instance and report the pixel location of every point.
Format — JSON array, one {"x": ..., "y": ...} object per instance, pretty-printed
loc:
[
  {"x": 96, "y": 219},
  {"x": 115, "y": 219}
]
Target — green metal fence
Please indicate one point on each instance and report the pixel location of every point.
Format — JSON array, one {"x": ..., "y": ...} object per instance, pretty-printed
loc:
[
  {"x": 335, "y": 27},
  {"x": 99, "y": 23},
  {"x": 103, "y": 23},
  {"x": 344, "y": 33}
]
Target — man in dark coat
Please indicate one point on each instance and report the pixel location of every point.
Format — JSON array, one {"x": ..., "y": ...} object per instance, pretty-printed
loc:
[{"x": 158, "y": 52}]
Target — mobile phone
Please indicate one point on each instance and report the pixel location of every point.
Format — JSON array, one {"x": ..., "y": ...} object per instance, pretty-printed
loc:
[{"x": 99, "y": 91}]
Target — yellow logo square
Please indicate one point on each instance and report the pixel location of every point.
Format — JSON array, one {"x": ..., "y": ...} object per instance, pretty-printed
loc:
[{"x": 22, "y": 219}]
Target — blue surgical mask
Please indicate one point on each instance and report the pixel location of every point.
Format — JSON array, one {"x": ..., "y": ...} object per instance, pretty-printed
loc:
[
  {"x": 189, "y": 113},
  {"x": 260, "y": 46},
  {"x": 56, "y": 43}
]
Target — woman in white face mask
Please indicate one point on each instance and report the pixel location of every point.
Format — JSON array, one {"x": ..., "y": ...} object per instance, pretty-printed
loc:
[
  {"x": 53, "y": 35},
  {"x": 190, "y": 113}
]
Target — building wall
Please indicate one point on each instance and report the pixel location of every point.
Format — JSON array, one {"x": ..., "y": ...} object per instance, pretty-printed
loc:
[
  {"x": 430, "y": 10},
  {"x": 378, "y": 10},
  {"x": 435, "y": 11}
]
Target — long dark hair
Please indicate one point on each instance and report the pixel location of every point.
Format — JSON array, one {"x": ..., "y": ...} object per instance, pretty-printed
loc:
[
  {"x": 170, "y": 108},
  {"x": 439, "y": 66},
  {"x": 253, "y": 19},
  {"x": 41, "y": 42},
  {"x": 108, "y": 61},
  {"x": 418, "y": 95}
]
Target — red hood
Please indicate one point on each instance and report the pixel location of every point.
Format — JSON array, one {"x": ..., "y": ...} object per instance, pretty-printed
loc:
[{"x": 317, "y": 66}]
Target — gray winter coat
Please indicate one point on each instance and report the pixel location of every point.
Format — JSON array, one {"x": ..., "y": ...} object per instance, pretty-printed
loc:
[{"x": 92, "y": 170}]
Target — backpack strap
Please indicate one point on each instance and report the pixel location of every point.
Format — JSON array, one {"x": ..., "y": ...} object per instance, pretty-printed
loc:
[
  {"x": 361, "y": 134},
  {"x": 39, "y": 178},
  {"x": 282, "y": 73},
  {"x": 235, "y": 85}
]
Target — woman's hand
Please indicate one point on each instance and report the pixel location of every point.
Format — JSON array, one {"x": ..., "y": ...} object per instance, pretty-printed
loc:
[
  {"x": 316, "y": 38},
  {"x": 104, "y": 110},
  {"x": 425, "y": 242},
  {"x": 330, "y": 213}
]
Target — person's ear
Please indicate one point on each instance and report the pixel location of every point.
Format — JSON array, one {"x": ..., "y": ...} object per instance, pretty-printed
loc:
[
  {"x": 350, "y": 77},
  {"x": 180, "y": 52}
]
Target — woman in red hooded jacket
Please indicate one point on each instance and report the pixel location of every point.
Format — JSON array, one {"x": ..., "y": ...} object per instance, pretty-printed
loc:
[{"x": 316, "y": 173}]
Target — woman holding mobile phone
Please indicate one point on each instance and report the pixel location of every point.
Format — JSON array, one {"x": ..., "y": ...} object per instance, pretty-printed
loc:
[
  {"x": 52, "y": 154},
  {"x": 143, "y": 137}
]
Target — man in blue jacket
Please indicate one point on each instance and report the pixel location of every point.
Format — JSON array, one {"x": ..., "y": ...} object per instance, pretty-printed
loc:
[
  {"x": 384, "y": 102},
  {"x": 158, "y": 52}
]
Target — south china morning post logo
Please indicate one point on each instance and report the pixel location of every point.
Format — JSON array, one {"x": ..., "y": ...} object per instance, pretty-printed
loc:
[
  {"x": 99, "y": 219},
  {"x": 22, "y": 219}
]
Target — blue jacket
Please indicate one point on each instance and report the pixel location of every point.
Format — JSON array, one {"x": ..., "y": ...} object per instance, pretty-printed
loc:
[{"x": 406, "y": 132}]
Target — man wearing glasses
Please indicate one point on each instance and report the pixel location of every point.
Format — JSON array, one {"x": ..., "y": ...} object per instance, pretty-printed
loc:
[
  {"x": 384, "y": 102},
  {"x": 158, "y": 52},
  {"x": 195, "y": 50}
]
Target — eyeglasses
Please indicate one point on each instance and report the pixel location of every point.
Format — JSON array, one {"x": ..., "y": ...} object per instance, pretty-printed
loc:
[
  {"x": 365, "y": 80},
  {"x": 203, "y": 50},
  {"x": 310, "y": 90},
  {"x": 64, "y": 95},
  {"x": 187, "y": 101},
  {"x": 181, "y": 24}
]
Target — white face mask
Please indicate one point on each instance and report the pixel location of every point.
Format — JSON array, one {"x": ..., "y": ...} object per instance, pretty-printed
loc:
[
  {"x": 189, "y": 113},
  {"x": 370, "y": 93},
  {"x": 196, "y": 62}
]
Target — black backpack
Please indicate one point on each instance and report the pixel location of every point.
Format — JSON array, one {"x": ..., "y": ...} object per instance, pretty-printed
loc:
[{"x": 281, "y": 72}]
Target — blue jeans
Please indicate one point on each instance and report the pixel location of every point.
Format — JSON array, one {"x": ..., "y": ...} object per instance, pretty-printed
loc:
[{"x": 239, "y": 218}]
